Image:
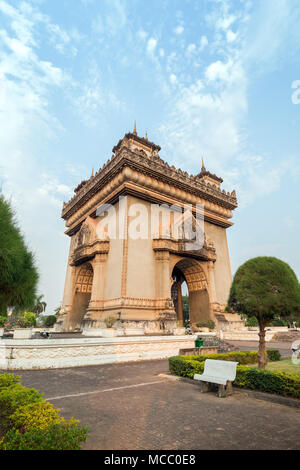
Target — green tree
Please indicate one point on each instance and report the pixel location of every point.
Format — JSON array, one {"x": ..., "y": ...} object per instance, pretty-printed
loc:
[
  {"x": 39, "y": 305},
  {"x": 57, "y": 311},
  {"x": 3, "y": 320},
  {"x": 49, "y": 321},
  {"x": 264, "y": 288},
  {"x": 185, "y": 307},
  {"x": 18, "y": 274}
]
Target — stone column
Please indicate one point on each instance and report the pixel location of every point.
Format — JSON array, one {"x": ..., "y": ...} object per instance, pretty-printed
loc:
[
  {"x": 67, "y": 301},
  {"x": 212, "y": 287},
  {"x": 97, "y": 295},
  {"x": 71, "y": 277},
  {"x": 211, "y": 281},
  {"x": 163, "y": 288}
]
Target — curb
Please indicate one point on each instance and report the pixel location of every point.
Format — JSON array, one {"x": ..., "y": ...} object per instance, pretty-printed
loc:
[{"x": 278, "y": 399}]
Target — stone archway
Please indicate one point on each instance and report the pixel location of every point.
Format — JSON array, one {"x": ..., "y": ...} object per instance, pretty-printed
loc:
[
  {"x": 82, "y": 295},
  {"x": 190, "y": 270}
]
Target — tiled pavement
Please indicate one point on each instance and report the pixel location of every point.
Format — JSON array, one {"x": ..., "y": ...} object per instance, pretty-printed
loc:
[{"x": 128, "y": 406}]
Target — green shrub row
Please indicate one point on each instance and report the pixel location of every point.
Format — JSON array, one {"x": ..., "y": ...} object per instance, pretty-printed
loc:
[
  {"x": 206, "y": 324},
  {"x": 246, "y": 377},
  {"x": 276, "y": 382},
  {"x": 28, "y": 422},
  {"x": 245, "y": 357}
]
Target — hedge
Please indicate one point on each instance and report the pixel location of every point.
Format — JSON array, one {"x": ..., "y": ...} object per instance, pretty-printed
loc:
[
  {"x": 28, "y": 422},
  {"x": 278, "y": 383},
  {"x": 245, "y": 357}
]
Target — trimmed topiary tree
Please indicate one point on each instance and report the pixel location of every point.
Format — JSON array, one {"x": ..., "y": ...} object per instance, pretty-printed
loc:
[
  {"x": 265, "y": 288},
  {"x": 50, "y": 321}
]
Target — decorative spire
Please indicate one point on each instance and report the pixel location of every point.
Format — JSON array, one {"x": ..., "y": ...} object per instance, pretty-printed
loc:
[
  {"x": 203, "y": 166},
  {"x": 134, "y": 129},
  {"x": 146, "y": 136},
  {"x": 92, "y": 175}
]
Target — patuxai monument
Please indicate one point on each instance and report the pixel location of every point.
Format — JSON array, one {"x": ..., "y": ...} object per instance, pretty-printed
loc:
[{"x": 131, "y": 227}]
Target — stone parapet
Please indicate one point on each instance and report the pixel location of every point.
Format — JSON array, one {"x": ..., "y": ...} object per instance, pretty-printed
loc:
[{"x": 59, "y": 353}]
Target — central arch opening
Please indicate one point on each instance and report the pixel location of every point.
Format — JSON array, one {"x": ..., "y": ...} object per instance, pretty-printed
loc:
[
  {"x": 82, "y": 295},
  {"x": 189, "y": 293}
]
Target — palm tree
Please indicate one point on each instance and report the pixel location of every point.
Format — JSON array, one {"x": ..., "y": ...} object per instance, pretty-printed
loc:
[
  {"x": 40, "y": 305},
  {"x": 57, "y": 311}
]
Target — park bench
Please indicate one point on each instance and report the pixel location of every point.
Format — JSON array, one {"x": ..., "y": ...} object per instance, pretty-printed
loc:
[{"x": 218, "y": 372}]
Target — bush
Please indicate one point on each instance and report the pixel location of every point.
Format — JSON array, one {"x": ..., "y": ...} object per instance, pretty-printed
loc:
[
  {"x": 247, "y": 377},
  {"x": 28, "y": 422},
  {"x": 50, "y": 321},
  {"x": 248, "y": 357},
  {"x": 7, "y": 380},
  {"x": 185, "y": 367},
  {"x": 110, "y": 321},
  {"x": 26, "y": 320},
  {"x": 273, "y": 355},
  {"x": 252, "y": 321},
  {"x": 14, "y": 396},
  {"x": 64, "y": 436},
  {"x": 35, "y": 415},
  {"x": 243, "y": 357},
  {"x": 206, "y": 324},
  {"x": 3, "y": 320},
  {"x": 279, "y": 383},
  {"x": 278, "y": 322}
]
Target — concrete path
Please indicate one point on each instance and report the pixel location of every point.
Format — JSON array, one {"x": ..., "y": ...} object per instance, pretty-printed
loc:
[{"x": 128, "y": 406}]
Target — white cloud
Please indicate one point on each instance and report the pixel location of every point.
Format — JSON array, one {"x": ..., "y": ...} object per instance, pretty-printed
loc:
[
  {"x": 93, "y": 98},
  {"x": 203, "y": 42},
  {"x": 225, "y": 22},
  {"x": 141, "y": 34},
  {"x": 179, "y": 30},
  {"x": 151, "y": 46},
  {"x": 231, "y": 36},
  {"x": 191, "y": 49},
  {"x": 173, "y": 78},
  {"x": 112, "y": 22},
  {"x": 219, "y": 71}
]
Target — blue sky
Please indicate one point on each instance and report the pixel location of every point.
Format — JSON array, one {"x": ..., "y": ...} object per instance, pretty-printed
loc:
[{"x": 209, "y": 78}]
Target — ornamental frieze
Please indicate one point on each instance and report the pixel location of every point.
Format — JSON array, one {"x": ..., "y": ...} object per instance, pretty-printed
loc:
[
  {"x": 158, "y": 188},
  {"x": 149, "y": 165}
]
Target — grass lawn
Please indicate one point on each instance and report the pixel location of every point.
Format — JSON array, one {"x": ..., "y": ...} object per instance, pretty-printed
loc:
[{"x": 285, "y": 365}]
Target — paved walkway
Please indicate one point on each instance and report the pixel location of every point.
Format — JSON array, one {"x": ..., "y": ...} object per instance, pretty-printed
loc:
[{"x": 128, "y": 406}]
